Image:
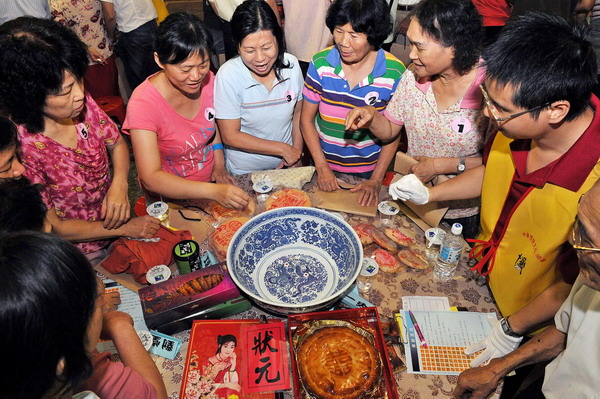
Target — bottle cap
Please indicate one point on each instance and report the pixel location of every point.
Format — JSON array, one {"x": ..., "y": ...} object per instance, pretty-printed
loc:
[
  {"x": 157, "y": 209},
  {"x": 146, "y": 338},
  {"x": 388, "y": 208},
  {"x": 158, "y": 274},
  {"x": 456, "y": 229},
  {"x": 369, "y": 267},
  {"x": 263, "y": 185}
]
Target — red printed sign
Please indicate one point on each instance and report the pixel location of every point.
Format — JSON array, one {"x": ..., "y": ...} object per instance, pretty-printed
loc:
[
  {"x": 267, "y": 358},
  {"x": 216, "y": 365}
]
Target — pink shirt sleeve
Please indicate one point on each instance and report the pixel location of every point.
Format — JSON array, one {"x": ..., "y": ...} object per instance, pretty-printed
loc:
[
  {"x": 143, "y": 110},
  {"x": 115, "y": 380}
]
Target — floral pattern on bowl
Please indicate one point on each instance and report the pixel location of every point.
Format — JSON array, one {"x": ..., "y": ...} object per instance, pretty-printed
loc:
[{"x": 294, "y": 257}]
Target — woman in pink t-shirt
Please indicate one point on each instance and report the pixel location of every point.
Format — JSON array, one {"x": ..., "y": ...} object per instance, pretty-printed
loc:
[{"x": 171, "y": 120}]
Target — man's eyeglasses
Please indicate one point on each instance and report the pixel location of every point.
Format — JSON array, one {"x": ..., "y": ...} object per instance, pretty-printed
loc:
[
  {"x": 494, "y": 111},
  {"x": 577, "y": 238}
]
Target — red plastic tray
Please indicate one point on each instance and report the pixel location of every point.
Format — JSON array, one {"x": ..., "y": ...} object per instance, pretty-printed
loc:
[{"x": 361, "y": 317}]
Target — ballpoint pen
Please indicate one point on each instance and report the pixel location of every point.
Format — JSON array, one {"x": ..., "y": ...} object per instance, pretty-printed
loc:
[{"x": 417, "y": 329}]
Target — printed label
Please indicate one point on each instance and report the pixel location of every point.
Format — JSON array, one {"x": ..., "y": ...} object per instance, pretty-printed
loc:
[
  {"x": 461, "y": 126},
  {"x": 371, "y": 98},
  {"x": 289, "y": 96},
  {"x": 209, "y": 114}
]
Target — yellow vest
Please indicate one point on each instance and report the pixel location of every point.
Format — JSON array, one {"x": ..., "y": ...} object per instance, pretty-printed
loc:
[{"x": 525, "y": 257}]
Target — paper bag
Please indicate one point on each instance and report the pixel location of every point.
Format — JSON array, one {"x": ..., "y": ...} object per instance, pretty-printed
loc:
[
  {"x": 342, "y": 201},
  {"x": 425, "y": 216}
]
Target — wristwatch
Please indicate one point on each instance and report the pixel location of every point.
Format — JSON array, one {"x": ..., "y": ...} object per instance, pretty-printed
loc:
[
  {"x": 461, "y": 166},
  {"x": 507, "y": 330}
]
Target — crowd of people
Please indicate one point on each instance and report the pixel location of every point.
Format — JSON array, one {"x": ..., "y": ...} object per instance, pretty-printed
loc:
[{"x": 508, "y": 114}]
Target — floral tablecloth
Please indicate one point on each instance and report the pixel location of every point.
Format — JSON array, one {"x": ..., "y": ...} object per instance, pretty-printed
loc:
[{"x": 386, "y": 294}]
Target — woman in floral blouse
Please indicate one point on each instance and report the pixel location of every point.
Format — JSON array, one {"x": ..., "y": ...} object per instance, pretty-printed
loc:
[
  {"x": 438, "y": 100},
  {"x": 65, "y": 137}
]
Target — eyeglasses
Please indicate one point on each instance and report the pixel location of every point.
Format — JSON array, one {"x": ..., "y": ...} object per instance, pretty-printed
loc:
[
  {"x": 494, "y": 110},
  {"x": 577, "y": 237}
]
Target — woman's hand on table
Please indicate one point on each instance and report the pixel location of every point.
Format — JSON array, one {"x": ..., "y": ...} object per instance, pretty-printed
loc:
[
  {"x": 370, "y": 192},
  {"x": 290, "y": 154},
  {"x": 326, "y": 180},
  {"x": 231, "y": 196},
  {"x": 359, "y": 118},
  {"x": 221, "y": 176},
  {"x": 425, "y": 169},
  {"x": 116, "y": 209},
  {"x": 141, "y": 227}
]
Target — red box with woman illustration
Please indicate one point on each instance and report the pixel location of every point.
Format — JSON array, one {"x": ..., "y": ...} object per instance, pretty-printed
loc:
[{"x": 235, "y": 359}]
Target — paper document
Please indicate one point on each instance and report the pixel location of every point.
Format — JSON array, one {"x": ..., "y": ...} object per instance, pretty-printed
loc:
[
  {"x": 446, "y": 334},
  {"x": 425, "y": 303},
  {"x": 130, "y": 304}
]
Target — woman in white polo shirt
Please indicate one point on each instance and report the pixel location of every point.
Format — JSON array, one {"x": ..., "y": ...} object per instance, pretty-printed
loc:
[{"x": 257, "y": 95}]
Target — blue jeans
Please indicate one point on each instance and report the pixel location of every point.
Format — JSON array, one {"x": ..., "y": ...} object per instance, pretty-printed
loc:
[{"x": 135, "y": 49}]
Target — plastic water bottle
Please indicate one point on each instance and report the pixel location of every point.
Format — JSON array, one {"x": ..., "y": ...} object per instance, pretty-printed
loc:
[{"x": 449, "y": 255}]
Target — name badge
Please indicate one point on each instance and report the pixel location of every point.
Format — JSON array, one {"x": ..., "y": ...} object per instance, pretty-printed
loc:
[
  {"x": 461, "y": 125},
  {"x": 164, "y": 345},
  {"x": 209, "y": 114},
  {"x": 371, "y": 98},
  {"x": 83, "y": 132},
  {"x": 289, "y": 96}
]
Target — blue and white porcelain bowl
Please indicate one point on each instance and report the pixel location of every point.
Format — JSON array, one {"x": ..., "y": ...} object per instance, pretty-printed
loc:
[{"x": 295, "y": 259}]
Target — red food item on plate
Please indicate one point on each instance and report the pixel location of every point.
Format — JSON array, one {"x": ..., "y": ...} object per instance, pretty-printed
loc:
[
  {"x": 387, "y": 262},
  {"x": 383, "y": 241},
  {"x": 223, "y": 234},
  {"x": 364, "y": 232},
  {"x": 219, "y": 212},
  {"x": 413, "y": 260},
  {"x": 287, "y": 197},
  {"x": 398, "y": 237}
]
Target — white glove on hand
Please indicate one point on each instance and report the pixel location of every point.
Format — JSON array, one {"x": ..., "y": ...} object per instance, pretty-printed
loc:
[
  {"x": 496, "y": 344},
  {"x": 410, "y": 188}
]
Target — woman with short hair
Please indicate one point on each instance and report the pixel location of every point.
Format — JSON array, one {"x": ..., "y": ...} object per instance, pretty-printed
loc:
[
  {"x": 171, "y": 120},
  {"x": 353, "y": 73},
  {"x": 258, "y": 93},
  {"x": 66, "y": 140},
  {"x": 438, "y": 100}
]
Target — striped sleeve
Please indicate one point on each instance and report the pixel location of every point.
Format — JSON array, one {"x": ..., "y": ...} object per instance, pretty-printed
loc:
[{"x": 312, "y": 85}]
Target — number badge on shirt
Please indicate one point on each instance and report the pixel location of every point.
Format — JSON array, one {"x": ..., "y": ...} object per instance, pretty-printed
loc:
[
  {"x": 461, "y": 125},
  {"x": 371, "y": 98},
  {"x": 209, "y": 114},
  {"x": 289, "y": 96},
  {"x": 83, "y": 132}
]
